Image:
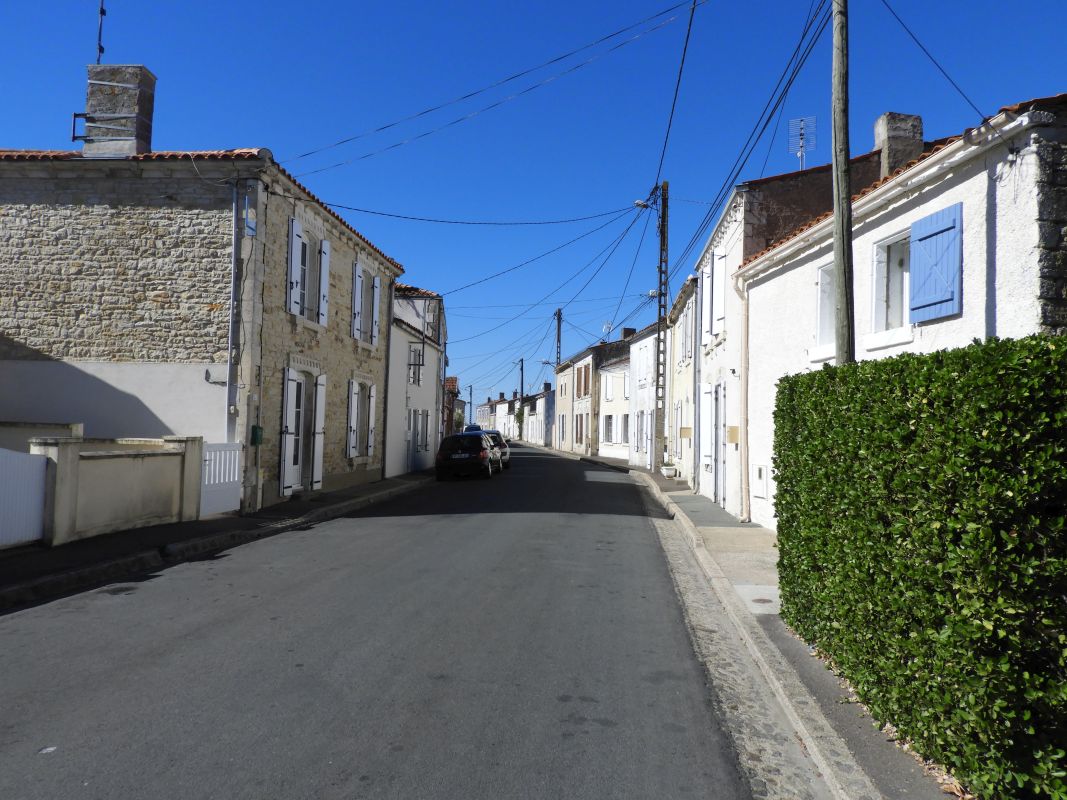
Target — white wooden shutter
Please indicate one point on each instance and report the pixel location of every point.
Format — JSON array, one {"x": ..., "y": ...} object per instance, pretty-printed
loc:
[
  {"x": 357, "y": 300},
  {"x": 353, "y": 415},
  {"x": 290, "y": 387},
  {"x": 707, "y": 290},
  {"x": 377, "y": 302},
  {"x": 324, "y": 280},
  {"x": 370, "y": 417},
  {"x": 718, "y": 295},
  {"x": 296, "y": 242},
  {"x": 318, "y": 436}
]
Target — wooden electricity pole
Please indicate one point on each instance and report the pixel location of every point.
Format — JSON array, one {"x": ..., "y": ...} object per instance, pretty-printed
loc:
[
  {"x": 845, "y": 339},
  {"x": 559, "y": 328},
  {"x": 659, "y": 431}
]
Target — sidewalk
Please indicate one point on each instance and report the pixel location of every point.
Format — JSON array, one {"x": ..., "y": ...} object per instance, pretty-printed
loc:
[
  {"x": 739, "y": 561},
  {"x": 34, "y": 574}
]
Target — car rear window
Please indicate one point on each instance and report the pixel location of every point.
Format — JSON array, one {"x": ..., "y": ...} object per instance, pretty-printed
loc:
[
  {"x": 461, "y": 444},
  {"x": 498, "y": 440}
]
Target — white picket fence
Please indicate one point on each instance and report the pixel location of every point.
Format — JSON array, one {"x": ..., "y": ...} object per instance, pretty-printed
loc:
[
  {"x": 22, "y": 488},
  {"x": 221, "y": 485}
]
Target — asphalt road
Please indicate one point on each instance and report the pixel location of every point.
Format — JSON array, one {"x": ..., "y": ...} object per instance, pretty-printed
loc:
[{"x": 512, "y": 638}]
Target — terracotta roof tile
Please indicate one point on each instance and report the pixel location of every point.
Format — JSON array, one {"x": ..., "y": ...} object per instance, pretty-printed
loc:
[
  {"x": 414, "y": 291},
  {"x": 238, "y": 154},
  {"x": 932, "y": 148}
]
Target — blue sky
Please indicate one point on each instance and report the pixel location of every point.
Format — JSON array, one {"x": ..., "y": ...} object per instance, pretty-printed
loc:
[{"x": 294, "y": 77}]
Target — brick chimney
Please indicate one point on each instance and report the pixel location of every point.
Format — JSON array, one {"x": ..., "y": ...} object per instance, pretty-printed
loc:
[
  {"x": 118, "y": 110},
  {"x": 900, "y": 138}
]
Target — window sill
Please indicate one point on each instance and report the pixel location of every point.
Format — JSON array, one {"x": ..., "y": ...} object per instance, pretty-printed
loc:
[
  {"x": 822, "y": 352},
  {"x": 905, "y": 334},
  {"x": 304, "y": 322}
]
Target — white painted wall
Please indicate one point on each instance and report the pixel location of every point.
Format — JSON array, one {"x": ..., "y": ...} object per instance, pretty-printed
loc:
[
  {"x": 117, "y": 399},
  {"x": 1000, "y": 287},
  {"x": 642, "y": 398},
  {"x": 617, "y": 407},
  {"x": 404, "y": 452}
]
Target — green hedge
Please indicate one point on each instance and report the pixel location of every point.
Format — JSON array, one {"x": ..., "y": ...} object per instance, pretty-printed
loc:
[{"x": 921, "y": 504}]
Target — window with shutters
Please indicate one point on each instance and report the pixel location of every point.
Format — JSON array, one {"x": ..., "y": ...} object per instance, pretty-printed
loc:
[
  {"x": 609, "y": 422},
  {"x": 309, "y": 274},
  {"x": 361, "y": 411},
  {"x": 626, "y": 384},
  {"x": 609, "y": 381},
  {"x": 415, "y": 364},
  {"x": 366, "y": 303},
  {"x": 891, "y": 268},
  {"x": 936, "y": 265},
  {"x": 625, "y": 428}
]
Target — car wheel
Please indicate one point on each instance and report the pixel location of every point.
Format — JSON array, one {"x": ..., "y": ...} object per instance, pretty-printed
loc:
[{"x": 488, "y": 470}]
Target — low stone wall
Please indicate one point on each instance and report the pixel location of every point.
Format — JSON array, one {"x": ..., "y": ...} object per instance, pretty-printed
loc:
[
  {"x": 16, "y": 435},
  {"x": 98, "y": 486}
]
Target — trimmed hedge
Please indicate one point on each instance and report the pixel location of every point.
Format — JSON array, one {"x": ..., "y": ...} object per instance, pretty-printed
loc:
[{"x": 921, "y": 506}]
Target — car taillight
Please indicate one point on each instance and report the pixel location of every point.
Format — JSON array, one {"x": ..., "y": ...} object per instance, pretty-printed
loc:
[{"x": 483, "y": 455}]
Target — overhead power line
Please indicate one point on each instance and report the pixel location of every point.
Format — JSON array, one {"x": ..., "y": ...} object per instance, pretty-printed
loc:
[
  {"x": 677, "y": 86},
  {"x": 538, "y": 257},
  {"x": 494, "y": 85},
  {"x": 478, "y": 222}
]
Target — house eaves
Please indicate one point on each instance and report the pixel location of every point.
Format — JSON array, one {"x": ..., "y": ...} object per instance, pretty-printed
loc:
[{"x": 946, "y": 155}]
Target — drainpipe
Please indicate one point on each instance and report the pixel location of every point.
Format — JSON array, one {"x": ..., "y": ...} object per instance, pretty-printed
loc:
[
  {"x": 698, "y": 356},
  {"x": 230, "y": 425},
  {"x": 385, "y": 390},
  {"x": 746, "y": 500}
]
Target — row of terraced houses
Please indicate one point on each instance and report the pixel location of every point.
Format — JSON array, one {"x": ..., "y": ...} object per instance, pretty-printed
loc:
[{"x": 957, "y": 239}]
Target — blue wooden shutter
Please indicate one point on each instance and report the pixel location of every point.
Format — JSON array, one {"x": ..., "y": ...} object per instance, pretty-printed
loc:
[{"x": 937, "y": 265}]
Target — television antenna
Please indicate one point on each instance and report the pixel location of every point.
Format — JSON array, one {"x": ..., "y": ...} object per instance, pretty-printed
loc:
[{"x": 801, "y": 137}]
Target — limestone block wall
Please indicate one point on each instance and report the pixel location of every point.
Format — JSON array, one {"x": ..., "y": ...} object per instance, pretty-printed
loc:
[
  {"x": 113, "y": 261},
  {"x": 1052, "y": 242},
  {"x": 287, "y": 340}
]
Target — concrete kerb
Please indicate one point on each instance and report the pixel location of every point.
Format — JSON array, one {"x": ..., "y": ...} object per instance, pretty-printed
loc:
[
  {"x": 845, "y": 778},
  {"x": 52, "y": 586}
]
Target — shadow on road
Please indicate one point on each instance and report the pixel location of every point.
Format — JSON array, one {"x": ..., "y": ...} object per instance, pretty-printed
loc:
[{"x": 536, "y": 483}]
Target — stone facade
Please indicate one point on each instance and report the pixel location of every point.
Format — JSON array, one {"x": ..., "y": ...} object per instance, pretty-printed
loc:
[
  {"x": 122, "y": 271},
  {"x": 107, "y": 261},
  {"x": 1052, "y": 233}
]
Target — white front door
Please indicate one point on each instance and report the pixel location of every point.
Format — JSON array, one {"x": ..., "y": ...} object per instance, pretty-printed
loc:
[{"x": 292, "y": 431}]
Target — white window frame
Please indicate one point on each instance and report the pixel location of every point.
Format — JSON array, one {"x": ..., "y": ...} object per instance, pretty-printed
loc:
[
  {"x": 881, "y": 335},
  {"x": 825, "y": 302}
]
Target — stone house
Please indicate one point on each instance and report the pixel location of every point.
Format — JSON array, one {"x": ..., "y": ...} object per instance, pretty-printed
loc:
[
  {"x": 485, "y": 415},
  {"x": 963, "y": 239},
  {"x": 416, "y": 379},
  {"x": 578, "y": 397},
  {"x": 192, "y": 293}
]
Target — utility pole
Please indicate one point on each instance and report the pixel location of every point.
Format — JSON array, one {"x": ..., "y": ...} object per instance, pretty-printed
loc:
[
  {"x": 559, "y": 327},
  {"x": 470, "y": 402},
  {"x": 522, "y": 392},
  {"x": 845, "y": 339},
  {"x": 660, "y": 420}
]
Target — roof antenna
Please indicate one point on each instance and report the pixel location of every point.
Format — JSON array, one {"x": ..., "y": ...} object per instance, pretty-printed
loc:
[
  {"x": 801, "y": 137},
  {"x": 100, "y": 33}
]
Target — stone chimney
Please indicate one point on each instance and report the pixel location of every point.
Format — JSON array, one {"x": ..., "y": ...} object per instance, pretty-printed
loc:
[
  {"x": 502, "y": 396},
  {"x": 548, "y": 386},
  {"x": 627, "y": 333},
  {"x": 900, "y": 138},
  {"x": 118, "y": 110},
  {"x": 515, "y": 394}
]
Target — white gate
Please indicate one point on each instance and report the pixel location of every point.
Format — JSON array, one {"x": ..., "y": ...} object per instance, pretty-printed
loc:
[
  {"x": 220, "y": 488},
  {"x": 22, "y": 478}
]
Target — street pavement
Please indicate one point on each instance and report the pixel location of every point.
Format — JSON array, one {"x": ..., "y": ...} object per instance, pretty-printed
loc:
[{"x": 519, "y": 637}]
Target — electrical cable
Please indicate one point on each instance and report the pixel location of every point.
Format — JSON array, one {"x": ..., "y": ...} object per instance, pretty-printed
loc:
[
  {"x": 484, "y": 89},
  {"x": 629, "y": 275},
  {"x": 677, "y": 86},
  {"x": 478, "y": 222},
  {"x": 493, "y": 105},
  {"x": 537, "y": 257}
]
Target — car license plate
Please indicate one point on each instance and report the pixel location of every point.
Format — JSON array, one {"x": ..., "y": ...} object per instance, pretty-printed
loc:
[{"x": 461, "y": 455}]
